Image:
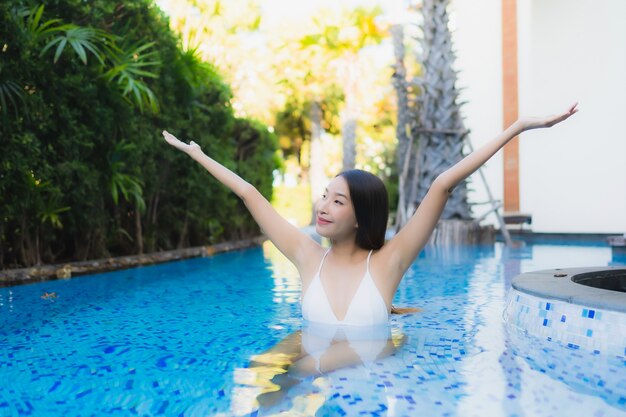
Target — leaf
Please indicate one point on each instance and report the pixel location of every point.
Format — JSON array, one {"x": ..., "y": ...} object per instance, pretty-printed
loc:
[
  {"x": 130, "y": 66},
  {"x": 45, "y": 29},
  {"x": 124, "y": 233},
  {"x": 11, "y": 92},
  {"x": 59, "y": 50},
  {"x": 310, "y": 40},
  {"x": 218, "y": 9},
  {"x": 33, "y": 25},
  {"x": 114, "y": 193},
  {"x": 50, "y": 45},
  {"x": 130, "y": 186},
  {"x": 81, "y": 39},
  {"x": 34, "y": 18},
  {"x": 256, "y": 24},
  {"x": 79, "y": 50},
  {"x": 51, "y": 215}
]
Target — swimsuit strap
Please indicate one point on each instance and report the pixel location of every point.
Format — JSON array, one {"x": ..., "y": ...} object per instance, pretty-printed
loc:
[
  {"x": 322, "y": 263},
  {"x": 368, "y": 262}
]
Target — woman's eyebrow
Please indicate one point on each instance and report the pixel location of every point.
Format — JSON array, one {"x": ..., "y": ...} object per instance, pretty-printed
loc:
[{"x": 336, "y": 193}]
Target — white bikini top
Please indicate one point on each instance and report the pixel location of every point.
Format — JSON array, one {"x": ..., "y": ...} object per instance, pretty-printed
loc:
[{"x": 367, "y": 307}]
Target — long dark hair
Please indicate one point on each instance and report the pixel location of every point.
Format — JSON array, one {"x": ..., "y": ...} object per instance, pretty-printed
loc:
[{"x": 371, "y": 207}]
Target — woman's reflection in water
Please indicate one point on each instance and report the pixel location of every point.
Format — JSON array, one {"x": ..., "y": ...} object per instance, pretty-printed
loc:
[{"x": 315, "y": 350}]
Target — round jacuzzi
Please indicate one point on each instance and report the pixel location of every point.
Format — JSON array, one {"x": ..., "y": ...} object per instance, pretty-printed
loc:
[
  {"x": 612, "y": 279},
  {"x": 579, "y": 307},
  {"x": 570, "y": 324}
]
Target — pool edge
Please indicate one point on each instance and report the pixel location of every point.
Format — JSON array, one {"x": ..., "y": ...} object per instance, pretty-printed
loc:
[
  {"x": 68, "y": 270},
  {"x": 557, "y": 284}
]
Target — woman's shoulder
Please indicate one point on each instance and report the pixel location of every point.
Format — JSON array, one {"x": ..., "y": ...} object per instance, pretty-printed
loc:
[
  {"x": 310, "y": 261},
  {"x": 385, "y": 266}
]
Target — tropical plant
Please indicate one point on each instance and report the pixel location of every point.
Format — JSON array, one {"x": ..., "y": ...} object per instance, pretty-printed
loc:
[
  {"x": 122, "y": 182},
  {"x": 11, "y": 94},
  {"x": 83, "y": 171},
  {"x": 128, "y": 68},
  {"x": 81, "y": 40},
  {"x": 342, "y": 41}
]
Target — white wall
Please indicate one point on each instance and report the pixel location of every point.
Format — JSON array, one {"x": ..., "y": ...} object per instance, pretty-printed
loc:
[
  {"x": 477, "y": 37},
  {"x": 572, "y": 177}
]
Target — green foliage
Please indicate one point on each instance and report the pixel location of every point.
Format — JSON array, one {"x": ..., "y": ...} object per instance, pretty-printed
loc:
[
  {"x": 84, "y": 172},
  {"x": 129, "y": 185},
  {"x": 81, "y": 39},
  {"x": 30, "y": 22},
  {"x": 10, "y": 93},
  {"x": 293, "y": 121},
  {"x": 256, "y": 159},
  {"x": 129, "y": 66}
]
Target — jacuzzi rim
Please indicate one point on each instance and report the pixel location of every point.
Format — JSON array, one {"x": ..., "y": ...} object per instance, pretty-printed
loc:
[{"x": 558, "y": 284}]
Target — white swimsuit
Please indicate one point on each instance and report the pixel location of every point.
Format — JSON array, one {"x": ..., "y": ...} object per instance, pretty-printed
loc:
[
  {"x": 367, "y": 307},
  {"x": 367, "y": 342}
]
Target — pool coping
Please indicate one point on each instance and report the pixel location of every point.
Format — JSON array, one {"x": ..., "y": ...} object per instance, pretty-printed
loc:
[
  {"x": 68, "y": 270},
  {"x": 557, "y": 284},
  {"x": 528, "y": 236}
]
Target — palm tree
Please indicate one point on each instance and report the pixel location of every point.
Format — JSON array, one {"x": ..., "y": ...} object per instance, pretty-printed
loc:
[{"x": 437, "y": 124}]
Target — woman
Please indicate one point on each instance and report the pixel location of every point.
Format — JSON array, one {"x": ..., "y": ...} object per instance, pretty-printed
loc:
[{"x": 353, "y": 282}]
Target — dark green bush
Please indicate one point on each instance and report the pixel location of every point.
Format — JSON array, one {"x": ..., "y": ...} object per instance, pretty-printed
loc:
[{"x": 84, "y": 171}]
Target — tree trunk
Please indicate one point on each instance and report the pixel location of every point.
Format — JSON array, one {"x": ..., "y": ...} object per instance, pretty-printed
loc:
[
  {"x": 405, "y": 161},
  {"x": 183, "y": 233},
  {"x": 37, "y": 250},
  {"x": 317, "y": 179},
  {"x": 350, "y": 116},
  {"x": 29, "y": 257},
  {"x": 138, "y": 232}
]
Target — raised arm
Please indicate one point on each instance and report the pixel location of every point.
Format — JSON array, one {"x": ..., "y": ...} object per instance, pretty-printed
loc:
[
  {"x": 293, "y": 243},
  {"x": 408, "y": 243}
]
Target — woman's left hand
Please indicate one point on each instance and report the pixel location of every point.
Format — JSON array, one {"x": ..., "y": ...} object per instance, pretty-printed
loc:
[{"x": 528, "y": 123}]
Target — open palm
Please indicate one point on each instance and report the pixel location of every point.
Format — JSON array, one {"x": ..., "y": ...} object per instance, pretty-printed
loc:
[
  {"x": 528, "y": 123},
  {"x": 173, "y": 140}
]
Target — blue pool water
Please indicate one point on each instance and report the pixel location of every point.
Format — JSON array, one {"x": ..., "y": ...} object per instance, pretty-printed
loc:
[{"x": 204, "y": 337}]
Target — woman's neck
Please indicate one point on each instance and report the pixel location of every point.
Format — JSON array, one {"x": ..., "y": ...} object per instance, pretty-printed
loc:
[{"x": 347, "y": 250}]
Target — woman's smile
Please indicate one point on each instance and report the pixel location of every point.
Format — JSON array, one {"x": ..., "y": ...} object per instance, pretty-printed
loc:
[{"x": 322, "y": 222}]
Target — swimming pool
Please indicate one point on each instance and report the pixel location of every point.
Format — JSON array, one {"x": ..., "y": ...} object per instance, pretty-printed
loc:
[{"x": 199, "y": 337}]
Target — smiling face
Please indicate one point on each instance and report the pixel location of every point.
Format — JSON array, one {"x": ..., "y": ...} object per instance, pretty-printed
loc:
[{"x": 335, "y": 213}]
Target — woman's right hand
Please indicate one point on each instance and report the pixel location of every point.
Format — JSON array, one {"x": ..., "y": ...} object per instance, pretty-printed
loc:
[
  {"x": 529, "y": 123},
  {"x": 173, "y": 140}
]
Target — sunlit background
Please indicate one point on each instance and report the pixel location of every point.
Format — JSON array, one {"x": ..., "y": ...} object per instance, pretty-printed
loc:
[{"x": 266, "y": 51}]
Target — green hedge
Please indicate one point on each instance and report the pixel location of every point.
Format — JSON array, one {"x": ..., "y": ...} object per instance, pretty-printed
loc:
[{"x": 84, "y": 171}]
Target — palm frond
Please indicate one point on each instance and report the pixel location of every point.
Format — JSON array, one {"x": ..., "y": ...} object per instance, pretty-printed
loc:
[
  {"x": 11, "y": 95},
  {"x": 30, "y": 20},
  {"x": 120, "y": 182},
  {"x": 129, "y": 68},
  {"x": 50, "y": 214},
  {"x": 81, "y": 39}
]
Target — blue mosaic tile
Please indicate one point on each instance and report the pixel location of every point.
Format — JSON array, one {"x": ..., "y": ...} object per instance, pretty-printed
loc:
[{"x": 185, "y": 358}]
